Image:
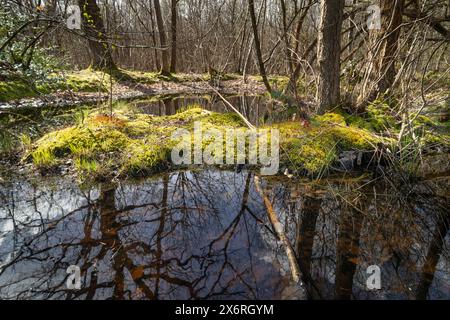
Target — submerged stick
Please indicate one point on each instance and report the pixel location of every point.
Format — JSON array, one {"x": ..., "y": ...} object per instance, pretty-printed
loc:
[
  {"x": 279, "y": 231},
  {"x": 252, "y": 127}
]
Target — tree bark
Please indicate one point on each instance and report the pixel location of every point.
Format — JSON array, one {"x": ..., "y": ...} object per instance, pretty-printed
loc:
[
  {"x": 262, "y": 69},
  {"x": 173, "y": 56},
  {"x": 165, "y": 68},
  {"x": 101, "y": 57},
  {"x": 329, "y": 49},
  {"x": 381, "y": 71}
]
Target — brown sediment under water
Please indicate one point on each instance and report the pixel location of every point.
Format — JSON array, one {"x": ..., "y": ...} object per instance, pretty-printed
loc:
[{"x": 206, "y": 235}]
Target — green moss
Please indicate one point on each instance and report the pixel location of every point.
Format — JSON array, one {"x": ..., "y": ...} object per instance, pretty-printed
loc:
[
  {"x": 129, "y": 142},
  {"x": 146, "y": 156},
  {"x": 434, "y": 139},
  {"x": 86, "y": 81},
  {"x": 312, "y": 154},
  {"x": 135, "y": 143},
  {"x": 378, "y": 118},
  {"x": 87, "y": 166},
  {"x": 332, "y": 118},
  {"x": 44, "y": 158},
  {"x": 17, "y": 89},
  {"x": 317, "y": 147}
]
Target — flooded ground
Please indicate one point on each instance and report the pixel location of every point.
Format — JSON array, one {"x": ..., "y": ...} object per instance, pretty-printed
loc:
[
  {"x": 257, "y": 109},
  {"x": 206, "y": 235},
  {"x": 34, "y": 122}
]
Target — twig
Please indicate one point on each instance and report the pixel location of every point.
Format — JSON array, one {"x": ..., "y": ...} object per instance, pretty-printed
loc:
[
  {"x": 279, "y": 231},
  {"x": 252, "y": 127}
]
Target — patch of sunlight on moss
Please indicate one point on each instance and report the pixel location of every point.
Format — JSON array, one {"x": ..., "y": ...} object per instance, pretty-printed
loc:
[
  {"x": 87, "y": 81},
  {"x": 82, "y": 141},
  {"x": 311, "y": 153},
  {"x": 86, "y": 165},
  {"x": 136, "y": 143},
  {"x": 315, "y": 148},
  {"x": 332, "y": 118},
  {"x": 146, "y": 156},
  {"x": 350, "y": 138},
  {"x": 378, "y": 118},
  {"x": 44, "y": 158},
  {"x": 431, "y": 138}
]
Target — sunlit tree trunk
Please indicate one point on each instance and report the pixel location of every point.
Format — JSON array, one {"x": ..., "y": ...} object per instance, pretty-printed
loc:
[
  {"x": 165, "y": 68},
  {"x": 381, "y": 71},
  {"x": 329, "y": 49},
  {"x": 262, "y": 69}
]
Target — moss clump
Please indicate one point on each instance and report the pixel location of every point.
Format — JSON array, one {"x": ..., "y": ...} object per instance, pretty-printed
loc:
[
  {"x": 126, "y": 143},
  {"x": 377, "y": 118},
  {"x": 312, "y": 154},
  {"x": 133, "y": 143},
  {"x": 146, "y": 156},
  {"x": 317, "y": 147},
  {"x": 331, "y": 118}
]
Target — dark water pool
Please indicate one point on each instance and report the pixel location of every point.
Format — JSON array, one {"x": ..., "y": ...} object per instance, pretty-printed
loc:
[{"x": 206, "y": 235}]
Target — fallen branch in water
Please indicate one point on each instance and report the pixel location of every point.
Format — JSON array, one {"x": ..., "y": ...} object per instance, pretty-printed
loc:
[
  {"x": 279, "y": 231},
  {"x": 227, "y": 103}
]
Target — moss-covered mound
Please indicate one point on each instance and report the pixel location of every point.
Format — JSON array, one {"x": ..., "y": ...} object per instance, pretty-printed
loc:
[
  {"x": 314, "y": 148},
  {"x": 126, "y": 143},
  {"x": 132, "y": 143}
]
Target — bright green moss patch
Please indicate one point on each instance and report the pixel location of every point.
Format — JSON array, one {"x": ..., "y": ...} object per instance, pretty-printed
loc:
[
  {"x": 317, "y": 147},
  {"x": 127, "y": 143},
  {"x": 86, "y": 81},
  {"x": 378, "y": 117},
  {"x": 132, "y": 143},
  {"x": 311, "y": 154}
]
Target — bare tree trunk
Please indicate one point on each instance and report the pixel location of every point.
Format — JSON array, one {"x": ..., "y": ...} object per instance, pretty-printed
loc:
[
  {"x": 94, "y": 28},
  {"x": 173, "y": 56},
  {"x": 329, "y": 49},
  {"x": 262, "y": 69},
  {"x": 165, "y": 68},
  {"x": 381, "y": 71},
  {"x": 155, "y": 43}
]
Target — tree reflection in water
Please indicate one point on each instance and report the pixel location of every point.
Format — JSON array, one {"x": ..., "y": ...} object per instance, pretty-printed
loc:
[{"x": 206, "y": 235}]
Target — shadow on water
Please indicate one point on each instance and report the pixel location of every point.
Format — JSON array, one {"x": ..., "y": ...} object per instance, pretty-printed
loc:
[{"x": 206, "y": 235}]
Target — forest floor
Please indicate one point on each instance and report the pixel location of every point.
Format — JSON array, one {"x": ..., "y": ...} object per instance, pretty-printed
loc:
[
  {"x": 89, "y": 86},
  {"x": 132, "y": 143}
]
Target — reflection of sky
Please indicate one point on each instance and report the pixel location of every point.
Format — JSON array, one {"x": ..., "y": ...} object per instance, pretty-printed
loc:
[
  {"x": 202, "y": 218},
  {"x": 200, "y": 206}
]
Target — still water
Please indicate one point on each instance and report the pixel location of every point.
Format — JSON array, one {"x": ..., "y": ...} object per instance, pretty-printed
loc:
[
  {"x": 257, "y": 109},
  {"x": 206, "y": 235}
]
